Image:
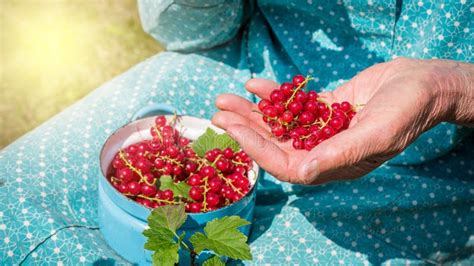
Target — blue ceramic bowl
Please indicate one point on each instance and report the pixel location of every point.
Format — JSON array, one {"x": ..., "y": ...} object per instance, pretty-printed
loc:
[{"x": 122, "y": 220}]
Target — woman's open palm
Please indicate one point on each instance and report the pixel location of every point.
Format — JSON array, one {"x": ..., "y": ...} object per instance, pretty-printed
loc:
[{"x": 397, "y": 107}]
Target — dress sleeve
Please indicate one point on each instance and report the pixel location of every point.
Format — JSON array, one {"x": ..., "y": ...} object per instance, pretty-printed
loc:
[{"x": 187, "y": 25}]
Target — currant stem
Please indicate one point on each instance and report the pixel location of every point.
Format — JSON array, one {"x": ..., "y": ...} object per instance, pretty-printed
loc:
[
  {"x": 324, "y": 123},
  {"x": 157, "y": 200},
  {"x": 229, "y": 183},
  {"x": 301, "y": 85},
  {"x": 158, "y": 133},
  {"x": 204, "y": 194},
  {"x": 129, "y": 165}
]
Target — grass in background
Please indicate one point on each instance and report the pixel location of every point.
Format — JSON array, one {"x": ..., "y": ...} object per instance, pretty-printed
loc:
[{"x": 54, "y": 52}]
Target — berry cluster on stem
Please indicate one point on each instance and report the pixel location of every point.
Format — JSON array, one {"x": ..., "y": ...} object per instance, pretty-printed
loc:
[{"x": 304, "y": 117}]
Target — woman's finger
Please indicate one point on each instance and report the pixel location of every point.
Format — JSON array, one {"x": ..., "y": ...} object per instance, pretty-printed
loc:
[
  {"x": 224, "y": 119},
  {"x": 241, "y": 106},
  {"x": 261, "y": 87},
  {"x": 267, "y": 155}
]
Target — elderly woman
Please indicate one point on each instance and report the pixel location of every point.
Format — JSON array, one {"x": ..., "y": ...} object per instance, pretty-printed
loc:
[{"x": 406, "y": 165}]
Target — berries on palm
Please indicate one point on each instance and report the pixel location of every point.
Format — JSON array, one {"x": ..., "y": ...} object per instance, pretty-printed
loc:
[{"x": 297, "y": 109}]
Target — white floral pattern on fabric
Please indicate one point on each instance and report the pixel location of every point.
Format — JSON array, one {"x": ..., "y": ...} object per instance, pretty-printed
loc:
[{"x": 418, "y": 209}]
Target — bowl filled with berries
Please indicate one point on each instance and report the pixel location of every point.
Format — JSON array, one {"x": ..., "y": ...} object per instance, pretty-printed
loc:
[{"x": 169, "y": 160}]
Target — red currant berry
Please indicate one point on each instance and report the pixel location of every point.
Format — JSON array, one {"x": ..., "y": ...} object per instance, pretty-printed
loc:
[
  {"x": 149, "y": 177},
  {"x": 242, "y": 182},
  {"x": 167, "y": 169},
  {"x": 118, "y": 163},
  {"x": 328, "y": 132},
  {"x": 287, "y": 88},
  {"x": 132, "y": 149},
  {"x": 167, "y": 195},
  {"x": 143, "y": 165},
  {"x": 215, "y": 184},
  {"x": 212, "y": 199},
  {"x": 133, "y": 188},
  {"x": 297, "y": 80},
  {"x": 172, "y": 151},
  {"x": 159, "y": 163},
  {"x": 240, "y": 169},
  {"x": 322, "y": 108},
  {"x": 339, "y": 113},
  {"x": 302, "y": 131},
  {"x": 336, "y": 106},
  {"x": 270, "y": 111},
  {"x": 311, "y": 142},
  {"x": 183, "y": 141},
  {"x": 263, "y": 104},
  {"x": 143, "y": 147},
  {"x": 301, "y": 97},
  {"x": 236, "y": 197},
  {"x": 168, "y": 141},
  {"x": 208, "y": 171},
  {"x": 189, "y": 153},
  {"x": 294, "y": 134},
  {"x": 278, "y": 130},
  {"x": 125, "y": 174},
  {"x": 286, "y": 117},
  {"x": 195, "y": 180},
  {"x": 277, "y": 96},
  {"x": 298, "y": 144},
  {"x": 350, "y": 115},
  {"x": 210, "y": 156},
  {"x": 195, "y": 193},
  {"x": 295, "y": 107},
  {"x": 312, "y": 96},
  {"x": 190, "y": 167},
  {"x": 160, "y": 121},
  {"x": 227, "y": 192},
  {"x": 222, "y": 164},
  {"x": 123, "y": 188},
  {"x": 195, "y": 207},
  {"x": 154, "y": 146},
  {"x": 228, "y": 153},
  {"x": 336, "y": 123},
  {"x": 311, "y": 106},
  {"x": 147, "y": 190},
  {"x": 280, "y": 107},
  {"x": 177, "y": 170},
  {"x": 306, "y": 118},
  {"x": 346, "y": 106},
  {"x": 314, "y": 129}
]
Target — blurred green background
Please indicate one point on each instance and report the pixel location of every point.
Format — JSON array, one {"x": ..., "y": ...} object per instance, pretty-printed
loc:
[{"x": 53, "y": 52}]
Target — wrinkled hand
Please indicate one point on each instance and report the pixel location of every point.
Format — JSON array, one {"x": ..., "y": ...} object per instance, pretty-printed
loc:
[{"x": 402, "y": 98}]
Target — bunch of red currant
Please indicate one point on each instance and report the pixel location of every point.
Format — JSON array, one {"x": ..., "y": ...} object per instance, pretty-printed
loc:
[
  {"x": 216, "y": 180},
  {"x": 303, "y": 116}
]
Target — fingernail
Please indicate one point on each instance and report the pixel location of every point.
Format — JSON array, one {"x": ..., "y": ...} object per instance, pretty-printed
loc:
[{"x": 310, "y": 171}]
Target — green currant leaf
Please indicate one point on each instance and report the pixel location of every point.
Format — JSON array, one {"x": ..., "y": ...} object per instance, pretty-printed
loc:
[
  {"x": 223, "y": 237},
  {"x": 213, "y": 261},
  {"x": 223, "y": 141},
  {"x": 166, "y": 256},
  {"x": 204, "y": 142},
  {"x": 158, "y": 238},
  {"x": 179, "y": 189},
  {"x": 211, "y": 140},
  {"x": 170, "y": 217},
  {"x": 161, "y": 236}
]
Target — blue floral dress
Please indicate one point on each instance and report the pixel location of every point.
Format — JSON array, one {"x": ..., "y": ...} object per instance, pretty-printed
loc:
[{"x": 418, "y": 208}]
